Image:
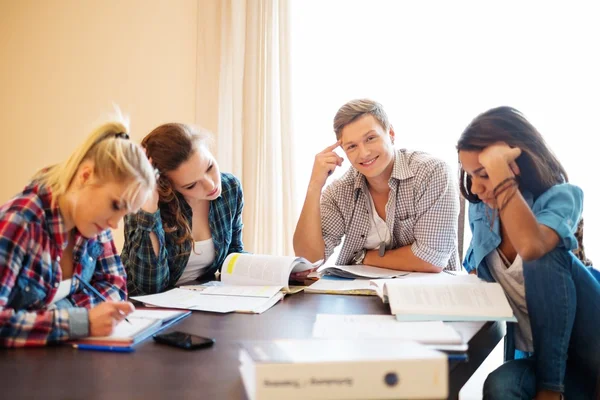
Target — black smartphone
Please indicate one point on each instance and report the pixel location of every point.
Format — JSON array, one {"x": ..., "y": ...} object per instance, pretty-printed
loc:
[{"x": 184, "y": 340}]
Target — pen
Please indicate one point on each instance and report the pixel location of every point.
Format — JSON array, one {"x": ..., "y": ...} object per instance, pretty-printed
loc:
[
  {"x": 458, "y": 357},
  {"x": 93, "y": 290},
  {"x": 114, "y": 349}
]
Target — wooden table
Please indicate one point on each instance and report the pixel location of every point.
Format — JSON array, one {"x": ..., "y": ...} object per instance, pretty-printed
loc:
[{"x": 156, "y": 371}]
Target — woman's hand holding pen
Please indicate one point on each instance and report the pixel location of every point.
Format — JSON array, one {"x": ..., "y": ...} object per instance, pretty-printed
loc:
[{"x": 105, "y": 316}]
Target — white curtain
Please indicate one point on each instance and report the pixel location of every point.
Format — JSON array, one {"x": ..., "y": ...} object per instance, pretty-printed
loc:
[
  {"x": 435, "y": 65},
  {"x": 249, "y": 40}
]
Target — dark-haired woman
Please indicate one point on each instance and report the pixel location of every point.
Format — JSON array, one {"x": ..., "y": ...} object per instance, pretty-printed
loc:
[
  {"x": 193, "y": 221},
  {"x": 524, "y": 216}
]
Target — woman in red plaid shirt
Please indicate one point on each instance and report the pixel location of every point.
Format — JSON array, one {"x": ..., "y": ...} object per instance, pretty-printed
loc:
[{"x": 59, "y": 227}]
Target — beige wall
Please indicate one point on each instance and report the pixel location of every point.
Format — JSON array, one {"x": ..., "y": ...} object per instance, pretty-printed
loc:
[{"x": 64, "y": 62}]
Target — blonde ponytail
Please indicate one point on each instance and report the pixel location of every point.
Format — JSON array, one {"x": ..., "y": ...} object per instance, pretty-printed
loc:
[{"x": 114, "y": 156}]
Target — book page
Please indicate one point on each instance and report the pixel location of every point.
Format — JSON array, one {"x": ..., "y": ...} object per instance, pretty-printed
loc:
[
  {"x": 301, "y": 264},
  {"x": 359, "y": 271},
  {"x": 333, "y": 326},
  {"x": 163, "y": 315},
  {"x": 192, "y": 300},
  {"x": 124, "y": 331},
  {"x": 477, "y": 299},
  {"x": 325, "y": 285},
  {"x": 174, "y": 298},
  {"x": 229, "y": 290},
  {"x": 255, "y": 269}
]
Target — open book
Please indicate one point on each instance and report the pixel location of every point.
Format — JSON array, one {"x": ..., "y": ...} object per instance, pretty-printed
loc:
[
  {"x": 250, "y": 283},
  {"x": 330, "y": 284},
  {"x": 359, "y": 271},
  {"x": 262, "y": 270},
  {"x": 142, "y": 324},
  {"x": 219, "y": 299},
  {"x": 445, "y": 298}
]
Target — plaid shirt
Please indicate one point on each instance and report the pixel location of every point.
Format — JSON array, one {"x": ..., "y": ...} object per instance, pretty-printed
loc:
[
  {"x": 32, "y": 240},
  {"x": 422, "y": 210},
  {"x": 149, "y": 273}
]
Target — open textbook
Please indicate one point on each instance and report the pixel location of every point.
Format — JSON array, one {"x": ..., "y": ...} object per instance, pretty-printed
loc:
[
  {"x": 260, "y": 269},
  {"x": 330, "y": 284},
  {"x": 445, "y": 298},
  {"x": 358, "y": 271},
  {"x": 250, "y": 283},
  {"x": 141, "y": 324},
  {"x": 253, "y": 302}
]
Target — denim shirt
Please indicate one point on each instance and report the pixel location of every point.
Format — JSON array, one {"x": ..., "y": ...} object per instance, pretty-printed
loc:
[{"x": 559, "y": 208}]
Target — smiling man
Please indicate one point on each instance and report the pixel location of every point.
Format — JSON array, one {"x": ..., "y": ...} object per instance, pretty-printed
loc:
[{"x": 395, "y": 209}]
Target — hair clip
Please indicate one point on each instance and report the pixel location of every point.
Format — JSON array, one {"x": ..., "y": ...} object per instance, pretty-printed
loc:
[{"x": 121, "y": 135}]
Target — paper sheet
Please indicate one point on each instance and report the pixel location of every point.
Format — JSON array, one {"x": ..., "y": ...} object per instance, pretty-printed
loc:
[{"x": 332, "y": 326}]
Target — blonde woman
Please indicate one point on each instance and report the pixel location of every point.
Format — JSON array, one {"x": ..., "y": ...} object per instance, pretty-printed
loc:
[
  {"x": 193, "y": 221},
  {"x": 59, "y": 227}
]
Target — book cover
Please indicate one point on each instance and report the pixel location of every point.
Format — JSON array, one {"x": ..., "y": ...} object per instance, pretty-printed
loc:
[{"x": 342, "y": 369}]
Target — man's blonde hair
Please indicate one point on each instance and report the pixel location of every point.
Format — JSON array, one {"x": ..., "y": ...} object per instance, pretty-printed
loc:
[
  {"x": 115, "y": 158},
  {"x": 355, "y": 109}
]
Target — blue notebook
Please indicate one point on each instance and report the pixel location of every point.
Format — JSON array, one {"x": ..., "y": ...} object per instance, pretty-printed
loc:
[{"x": 143, "y": 324}]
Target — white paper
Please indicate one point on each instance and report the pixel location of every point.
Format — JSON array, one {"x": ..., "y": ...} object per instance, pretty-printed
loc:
[
  {"x": 244, "y": 291},
  {"x": 332, "y": 326},
  {"x": 192, "y": 300},
  {"x": 125, "y": 329},
  {"x": 163, "y": 315}
]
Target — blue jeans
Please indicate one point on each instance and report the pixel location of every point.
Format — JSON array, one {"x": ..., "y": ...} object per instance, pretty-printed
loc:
[{"x": 563, "y": 300}]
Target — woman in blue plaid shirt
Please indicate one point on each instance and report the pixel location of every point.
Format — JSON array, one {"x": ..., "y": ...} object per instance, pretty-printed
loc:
[
  {"x": 57, "y": 228},
  {"x": 194, "y": 219}
]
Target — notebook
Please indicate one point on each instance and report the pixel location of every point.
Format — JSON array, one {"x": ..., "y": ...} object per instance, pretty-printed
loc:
[
  {"x": 451, "y": 298},
  {"x": 142, "y": 324}
]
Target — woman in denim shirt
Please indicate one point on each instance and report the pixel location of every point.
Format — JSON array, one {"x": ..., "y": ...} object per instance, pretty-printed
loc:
[
  {"x": 58, "y": 227},
  {"x": 193, "y": 221},
  {"x": 524, "y": 216}
]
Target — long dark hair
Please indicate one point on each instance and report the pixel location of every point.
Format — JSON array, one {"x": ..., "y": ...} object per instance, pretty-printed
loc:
[
  {"x": 169, "y": 146},
  {"x": 540, "y": 169}
]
